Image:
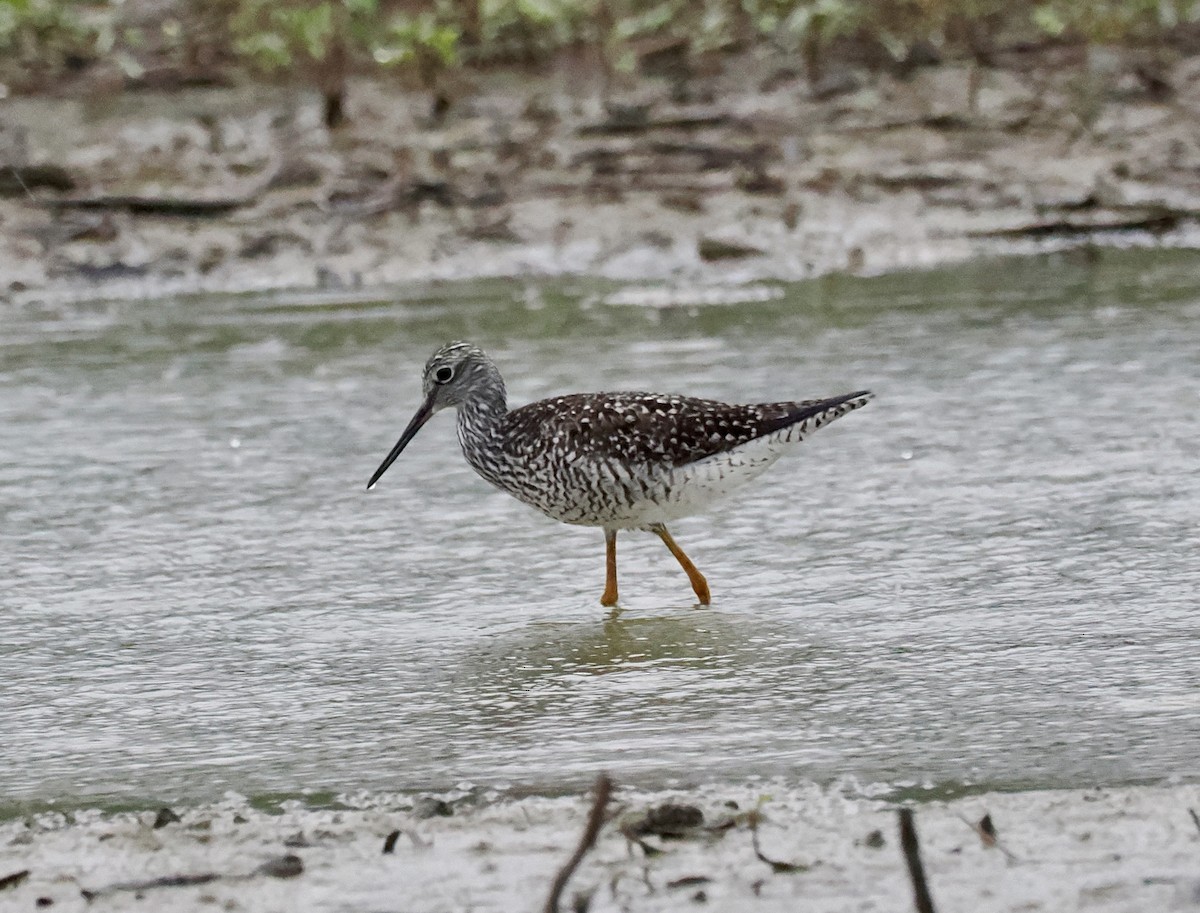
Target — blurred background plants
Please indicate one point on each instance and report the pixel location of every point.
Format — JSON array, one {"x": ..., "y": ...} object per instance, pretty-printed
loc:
[{"x": 323, "y": 42}]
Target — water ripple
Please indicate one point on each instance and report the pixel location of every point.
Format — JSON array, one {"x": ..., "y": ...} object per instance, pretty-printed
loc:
[{"x": 988, "y": 576}]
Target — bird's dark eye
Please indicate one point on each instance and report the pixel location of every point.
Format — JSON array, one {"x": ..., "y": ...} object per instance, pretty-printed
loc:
[{"x": 442, "y": 375}]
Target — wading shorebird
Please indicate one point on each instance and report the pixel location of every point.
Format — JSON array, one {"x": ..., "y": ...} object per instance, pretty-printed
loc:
[{"x": 613, "y": 460}]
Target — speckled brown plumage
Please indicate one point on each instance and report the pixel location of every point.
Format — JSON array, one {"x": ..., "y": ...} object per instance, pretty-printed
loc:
[{"x": 652, "y": 427}]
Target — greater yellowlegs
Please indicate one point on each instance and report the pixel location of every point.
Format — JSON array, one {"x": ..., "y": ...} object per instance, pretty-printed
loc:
[{"x": 613, "y": 460}]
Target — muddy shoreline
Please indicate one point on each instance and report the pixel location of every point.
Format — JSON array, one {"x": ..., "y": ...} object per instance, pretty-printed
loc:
[
  {"x": 746, "y": 173},
  {"x": 766, "y": 843}
]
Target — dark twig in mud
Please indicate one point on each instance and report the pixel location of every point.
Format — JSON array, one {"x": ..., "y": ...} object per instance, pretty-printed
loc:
[
  {"x": 11, "y": 881},
  {"x": 603, "y": 790},
  {"x": 688, "y": 881},
  {"x": 776, "y": 865},
  {"x": 155, "y": 206},
  {"x": 647, "y": 848},
  {"x": 281, "y": 867},
  {"x": 912, "y": 856},
  {"x": 389, "y": 843},
  {"x": 168, "y": 881},
  {"x": 1195, "y": 818}
]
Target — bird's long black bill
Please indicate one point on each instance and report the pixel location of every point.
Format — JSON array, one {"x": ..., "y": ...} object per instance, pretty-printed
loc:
[{"x": 423, "y": 415}]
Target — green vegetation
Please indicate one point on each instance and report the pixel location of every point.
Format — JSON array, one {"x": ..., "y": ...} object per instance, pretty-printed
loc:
[{"x": 323, "y": 41}]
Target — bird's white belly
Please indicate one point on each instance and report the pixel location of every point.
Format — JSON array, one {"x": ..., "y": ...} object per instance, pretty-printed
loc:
[
  {"x": 632, "y": 497},
  {"x": 693, "y": 488}
]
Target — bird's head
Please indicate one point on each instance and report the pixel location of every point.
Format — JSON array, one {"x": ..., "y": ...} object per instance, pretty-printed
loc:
[{"x": 457, "y": 373}]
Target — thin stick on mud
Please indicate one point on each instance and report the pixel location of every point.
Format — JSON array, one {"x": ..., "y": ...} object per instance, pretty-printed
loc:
[
  {"x": 912, "y": 856},
  {"x": 775, "y": 864},
  {"x": 1195, "y": 818},
  {"x": 987, "y": 834},
  {"x": 602, "y": 790}
]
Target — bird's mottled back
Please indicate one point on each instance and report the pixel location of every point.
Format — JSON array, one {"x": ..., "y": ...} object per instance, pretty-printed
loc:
[{"x": 652, "y": 428}]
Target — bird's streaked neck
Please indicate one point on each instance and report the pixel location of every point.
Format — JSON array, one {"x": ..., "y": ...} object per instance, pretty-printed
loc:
[
  {"x": 479, "y": 431},
  {"x": 479, "y": 413}
]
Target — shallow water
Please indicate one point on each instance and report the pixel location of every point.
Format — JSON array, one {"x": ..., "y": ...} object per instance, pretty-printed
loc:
[{"x": 988, "y": 576}]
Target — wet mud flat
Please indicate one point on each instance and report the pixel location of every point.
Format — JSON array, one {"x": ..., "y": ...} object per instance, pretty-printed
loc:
[
  {"x": 743, "y": 171},
  {"x": 720, "y": 847}
]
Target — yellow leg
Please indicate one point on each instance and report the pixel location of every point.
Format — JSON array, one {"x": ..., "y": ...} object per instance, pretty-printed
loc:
[
  {"x": 610, "y": 579},
  {"x": 699, "y": 584}
]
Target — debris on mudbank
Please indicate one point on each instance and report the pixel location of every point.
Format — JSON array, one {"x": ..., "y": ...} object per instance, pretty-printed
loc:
[
  {"x": 601, "y": 792},
  {"x": 912, "y": 858},
  {"x": 289, "y": 866},
  {"x": 13, "y": 879},
  {"x": 1102, "y": 851}
]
